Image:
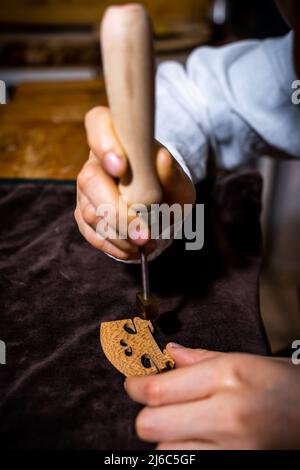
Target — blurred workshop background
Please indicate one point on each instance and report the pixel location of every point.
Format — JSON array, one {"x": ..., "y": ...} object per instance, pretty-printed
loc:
[{"x": 51, "y": 64}]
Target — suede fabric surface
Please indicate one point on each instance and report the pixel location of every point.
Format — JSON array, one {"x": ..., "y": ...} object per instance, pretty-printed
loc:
[{"x": 57, "y": 389}]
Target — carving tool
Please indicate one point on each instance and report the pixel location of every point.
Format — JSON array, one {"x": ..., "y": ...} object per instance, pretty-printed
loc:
[
  {"x": 128, "y": 64},
  {"x": 146, "y": 303}
]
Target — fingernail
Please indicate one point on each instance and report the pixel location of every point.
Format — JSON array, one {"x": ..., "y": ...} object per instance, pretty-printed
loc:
[
  {"x": 174, "y": 346},
  {"x": 113, "y": 163}
]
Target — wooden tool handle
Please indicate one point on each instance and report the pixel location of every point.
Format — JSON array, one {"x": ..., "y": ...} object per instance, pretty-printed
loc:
[{"x": 127, "y": 54}]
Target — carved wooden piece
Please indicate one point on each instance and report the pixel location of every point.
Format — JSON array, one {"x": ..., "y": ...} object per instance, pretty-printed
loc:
[{"x": 130, "y": 347}]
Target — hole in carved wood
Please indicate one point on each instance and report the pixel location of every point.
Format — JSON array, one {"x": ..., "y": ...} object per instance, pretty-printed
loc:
[
  {"x": 128, "y": 352},
  {"x": 146, "y": 361},
  {"x": 129, "y": 329},
  {"x": 123, "y": 343}
]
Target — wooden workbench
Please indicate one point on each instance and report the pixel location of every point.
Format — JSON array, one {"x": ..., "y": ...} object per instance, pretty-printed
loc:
[{"x": 42, "y": 132}]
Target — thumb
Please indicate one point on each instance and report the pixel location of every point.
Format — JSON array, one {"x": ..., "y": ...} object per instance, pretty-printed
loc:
[
  {"x": 187, "y": 356},
  {"x": 176, "y": 185},
  {"x": 165, "y": 168}
]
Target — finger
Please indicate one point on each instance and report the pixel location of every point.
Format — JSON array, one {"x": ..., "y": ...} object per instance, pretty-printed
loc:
[
  {"x": 181, "y": 422},
  {"x": 102, "y": 192},
  {"x": 186, "y": 445},
  {"x": 104, "y": 142},
  {"x": 96, "y": 184},
  {"x": 196, "y": 381},
  {"x": 187, "y": 356},
  {"x": 105, "y": 231},
  {"x": 104, "y": 245},
  {"x": 102, "y": 227},
  {"x": 87, "y": 209}
]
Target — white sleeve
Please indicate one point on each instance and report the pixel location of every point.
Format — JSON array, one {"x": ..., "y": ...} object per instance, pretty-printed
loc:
[{"x": 236, "y": 99}]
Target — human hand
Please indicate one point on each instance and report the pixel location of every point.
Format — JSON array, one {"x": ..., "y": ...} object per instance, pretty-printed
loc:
[
  {"x": 219, "y": 401},
  {"x": 97, "y": 184}
]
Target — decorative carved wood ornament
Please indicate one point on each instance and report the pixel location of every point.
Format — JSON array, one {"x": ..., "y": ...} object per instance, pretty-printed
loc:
[{"x": 131, "y": 348}]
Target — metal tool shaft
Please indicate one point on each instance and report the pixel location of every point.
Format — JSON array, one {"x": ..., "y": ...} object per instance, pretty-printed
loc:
[
  {"x": 145, "y": 302},
  {"x": 145, "y": 273}
]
